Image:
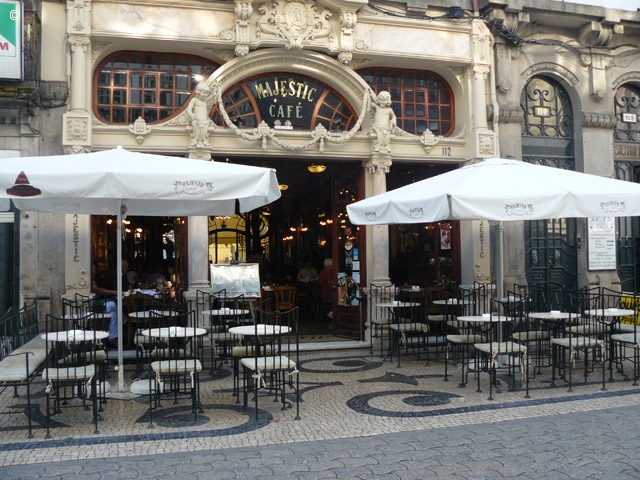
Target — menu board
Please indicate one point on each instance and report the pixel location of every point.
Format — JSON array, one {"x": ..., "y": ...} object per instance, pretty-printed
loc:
[
  {"x": 602, "y": 243},
  {"x": 240, "y": 279}
]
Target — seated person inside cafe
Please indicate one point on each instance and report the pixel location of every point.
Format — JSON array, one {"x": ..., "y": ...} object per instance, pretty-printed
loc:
[
  {"x": 326, "y": 280},
  {"x": 307, "y": 273},
  {"x": 105, "y": 285}
]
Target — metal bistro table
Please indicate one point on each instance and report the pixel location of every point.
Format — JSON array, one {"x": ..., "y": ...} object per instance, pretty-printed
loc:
[{"x": 609, "y": 317}]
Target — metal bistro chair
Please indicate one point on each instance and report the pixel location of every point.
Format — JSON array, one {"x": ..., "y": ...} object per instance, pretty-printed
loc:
[
  {"x": 626, "y": 338},
  {"x": 409, "y": 329},
  {"x": 232, "y": 311},
  {"x": 380, "y": 317},
  {"x": 565, "y": 350},
  {"x": 491, "y": 355},
  {"x": 285, "y": 300},
  {"x": 175, "y": 369},
  {"x": 74, "y": 360},
  {"x": 460, "y": 344},
  {"x": 245, "y": 349},
  {"x": 273, "y": 365}
]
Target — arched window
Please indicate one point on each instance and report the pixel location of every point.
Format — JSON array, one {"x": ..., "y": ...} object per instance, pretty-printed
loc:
[
  {"x": 421, "y": 99},
  {"x": 288, "y": 101},
  {"x": 154, "y": 86}
]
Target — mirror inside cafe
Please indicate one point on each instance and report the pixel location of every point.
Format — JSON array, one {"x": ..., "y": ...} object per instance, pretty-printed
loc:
[{"x": 292, "y": 240}]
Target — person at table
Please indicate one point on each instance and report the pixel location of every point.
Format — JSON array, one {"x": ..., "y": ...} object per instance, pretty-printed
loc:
[
  {"x": 106, "y": 286},
  {"x": 156, "y": 277},
  {"x": 307, "y": 273},
  {"x": 325, "y": 278}
]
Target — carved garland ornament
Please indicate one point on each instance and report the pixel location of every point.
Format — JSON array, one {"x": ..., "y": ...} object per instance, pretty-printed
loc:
[{"x": 264, "y": 133}]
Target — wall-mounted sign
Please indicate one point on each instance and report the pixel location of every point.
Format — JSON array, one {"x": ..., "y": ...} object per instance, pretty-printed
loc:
[
  {"x": 10, "y": 40},
  {"x": 602, "y": 243}
]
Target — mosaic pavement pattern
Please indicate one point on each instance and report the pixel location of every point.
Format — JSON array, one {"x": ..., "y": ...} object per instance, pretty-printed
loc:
[{"x": 345, "y": 393}]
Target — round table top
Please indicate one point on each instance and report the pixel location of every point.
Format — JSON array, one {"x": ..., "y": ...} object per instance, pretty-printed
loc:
[
  {"x": 397, "y": 304},
  {"x": 260, "y": 329},
  {"x": 483, "y": 318},
  {"x": 552, "y": 315},
  {"x": 610, "y": 312},
  {"x": 173, "y": 332},
  {"x": 452, "y": 301},
  {"x": 227, "y": 312},
  {"x": 146, "y": 313},
  {"x": 74, "y": 336}
]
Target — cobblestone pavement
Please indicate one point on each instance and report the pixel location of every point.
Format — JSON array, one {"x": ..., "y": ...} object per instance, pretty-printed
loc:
[{"x": 361, "y": 418}]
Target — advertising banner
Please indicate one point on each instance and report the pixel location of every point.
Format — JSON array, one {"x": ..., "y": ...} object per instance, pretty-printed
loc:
[{"x": 10, "y": 40}]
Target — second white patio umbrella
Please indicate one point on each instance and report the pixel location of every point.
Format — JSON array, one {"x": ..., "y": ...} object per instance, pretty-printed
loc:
[{"x": 500, "y": 190}]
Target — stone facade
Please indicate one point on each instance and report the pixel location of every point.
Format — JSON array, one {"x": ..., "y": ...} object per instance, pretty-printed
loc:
[{"x": 486, "y": 51}]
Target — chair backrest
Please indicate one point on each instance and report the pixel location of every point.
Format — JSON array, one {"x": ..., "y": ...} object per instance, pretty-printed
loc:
[
  {"x": 68, "y": 347},
  {"x": 384, "y": 293},
  {"x": 415, "y": 301},
  {"x": 285, "y": 297},
  {"x": 138, "y": 302},
  {"x": 287, "y": 341}
]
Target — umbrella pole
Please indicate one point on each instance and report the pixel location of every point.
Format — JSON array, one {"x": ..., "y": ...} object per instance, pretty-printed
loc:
[
  {"x": 500, "y": 262},
  {"x": 119, "y": 299}
]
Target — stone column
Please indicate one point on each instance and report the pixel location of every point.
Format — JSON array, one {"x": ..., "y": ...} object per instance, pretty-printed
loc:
[
  {"x": 198, "y": 254},
  {"x": 379, "y": 166},
  {"x": 76, "y": 128}
]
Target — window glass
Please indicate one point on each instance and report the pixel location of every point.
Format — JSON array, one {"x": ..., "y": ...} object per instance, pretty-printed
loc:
[
  {"x": 129, "y": 79},
  {"x": 424, "y": 100}
]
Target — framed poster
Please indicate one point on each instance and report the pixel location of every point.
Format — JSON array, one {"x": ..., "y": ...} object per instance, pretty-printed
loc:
[
  {"x": 602, "y": 243},
  {"x": 240, "y": 279}
]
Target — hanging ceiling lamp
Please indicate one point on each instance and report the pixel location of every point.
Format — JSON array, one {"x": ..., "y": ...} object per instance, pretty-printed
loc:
[{"x": 317, "y": 168}]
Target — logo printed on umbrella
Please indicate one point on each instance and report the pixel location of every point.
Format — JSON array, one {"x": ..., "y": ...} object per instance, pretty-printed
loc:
[
  {"x": 23, "y": 188},
  {"x": 370, "y": 216},
  {"x": 518, "y": 209},
  {"x": 416, "y": 212},
  {"x": 193, "y": 187},
  {"x": 613, "y": 207}
]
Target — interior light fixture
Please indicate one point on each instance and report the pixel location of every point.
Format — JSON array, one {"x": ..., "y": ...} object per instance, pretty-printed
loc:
[
  {"x": 283, "y": 186},
  {"x": 317, "y": 168}
]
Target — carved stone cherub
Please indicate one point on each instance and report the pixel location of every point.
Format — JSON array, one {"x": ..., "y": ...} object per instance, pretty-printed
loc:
[
  {"x": 384, "y": 120},
  {"x": 198, "y": 111}
]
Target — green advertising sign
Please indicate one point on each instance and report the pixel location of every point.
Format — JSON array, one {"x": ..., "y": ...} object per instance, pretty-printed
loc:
[{"x": 10, "y": 39}]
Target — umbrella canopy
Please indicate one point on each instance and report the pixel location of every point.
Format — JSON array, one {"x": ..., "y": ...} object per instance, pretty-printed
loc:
[
  {"x": 500, "y": 190},
  {"x": 151, "y": 185},
  {"x": 118, "y": 182}
]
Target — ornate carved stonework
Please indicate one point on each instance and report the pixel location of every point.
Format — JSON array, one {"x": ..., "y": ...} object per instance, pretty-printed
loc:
[
  {"x": 79, "y": 16},
  {"x": 428, "y": 139},
  {"x": 97, "y": 48},
  {"x": 378, "y": 162},
  {"x": 550, "y": 67},
  {"x": 76, "y": 129},
  {"x": 294, "y": 21},
  {"x": 75, "y": 149},
  {"x": 139, "y": 128},
  {"x": 243, "y": 10},
  {"x": 348, "y": 20},
  {"x": 486, "y": 145},
  {"x": 79, "y": 41},
  {"x": 199, "y": 153}
]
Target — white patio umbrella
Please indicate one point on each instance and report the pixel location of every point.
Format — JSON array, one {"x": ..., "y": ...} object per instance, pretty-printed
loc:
[
  {"x": 120, "y": 182},
  {"x": 500, "y": 190}
]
